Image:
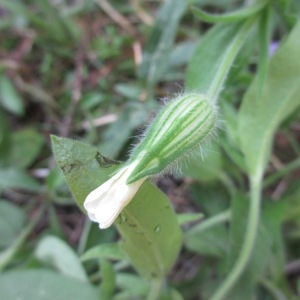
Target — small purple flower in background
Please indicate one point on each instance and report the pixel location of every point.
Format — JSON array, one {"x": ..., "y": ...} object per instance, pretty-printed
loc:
[{"x": 273, "y": 47}]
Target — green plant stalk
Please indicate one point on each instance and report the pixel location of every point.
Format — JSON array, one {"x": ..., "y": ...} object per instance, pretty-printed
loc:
[
  {"x": 272, "y": 289},
  {"x": 213, "y": 221},
  {"x": 233, "y": 49},
  {"x": 295, "y": 164},
  {"x": 155, "y": 287},
  {"x": 84, "y": 236},
  {"x": 250, "y": 237},
  {"x": 231, "y": 17},
  {"x": 255, "y": 180},
  {"x": 293, "y": 142},
  {"x": 108, "y": 282},
  {"x": 7, "y": 255}
]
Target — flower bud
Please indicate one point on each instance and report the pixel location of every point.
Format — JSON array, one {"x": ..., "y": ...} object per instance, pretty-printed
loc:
[{"x": 180, "y": 126}]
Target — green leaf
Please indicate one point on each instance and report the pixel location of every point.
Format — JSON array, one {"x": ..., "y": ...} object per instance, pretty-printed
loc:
[
  {"x": 131, "y": 286},
  {"x": 235, "y": 16},
  {"x": 230, "y": 140},
  {"x": 56, "y": 26},
  {"x": 118, "y": 133},
  {"x": 239, "y": 213},
  {"x": 189, "y": 217},
  {"x": 287, "y": 10},
  {"x": 209, "y": 237},
  {"x": 26, "y": 145},
  {"x": 204, "y": 167},
  {"x": 261, "y": 113},
  {"x": 9, "y": 97},
  {"x": 54, "y": 251},
  {"x": 5, "y": 139},
  {"x": 11, "y": 178},
  {"x": 212, "y": 59},
  {"x": 108, "y": 281},
  {"x": 211, "y": 241},
  {"x": 14, "y": 7},
  {"x": 91, "y": 236},
  {"x": 292, "y": 210},
  {"x": 170, "y": 294},
  {"x": 44, "y": 285},
  {"x": 265, "y": 244},
  {"x": 55, "y": 179},
  {"x": 83, "y": 166},
  {"x": 273, "y": 216},
  {"x": 212, "y": 197},
  {"x": 7, "y": 255},
  {"x": 181, "y": 54},
  {"x": 160, "y": 41},
  {"x": 264, "y": 37},
  {"x": 111, "y": 251},
  {"x": 147, "y": 223},
  {"x": 230, "y": 116},
  {"x": 129, "y": 91},
  {"x": 91, "y": 100},
  {"x": 12, "y": 220}
]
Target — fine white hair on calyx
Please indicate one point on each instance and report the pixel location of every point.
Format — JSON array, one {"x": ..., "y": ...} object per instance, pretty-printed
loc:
[
  {"x": 144, "y": 130},
  {"x": 184, "y": 158}
]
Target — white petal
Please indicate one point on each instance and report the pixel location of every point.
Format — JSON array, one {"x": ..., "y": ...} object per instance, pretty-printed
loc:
[
  {"x": 113, "y": 203},
  {"x": 94, "y": 196},
  {"x": 105, "y": 203}
]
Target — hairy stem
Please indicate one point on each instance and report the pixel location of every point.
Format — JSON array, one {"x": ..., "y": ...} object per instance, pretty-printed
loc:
[{"x": 250, "y": 237}]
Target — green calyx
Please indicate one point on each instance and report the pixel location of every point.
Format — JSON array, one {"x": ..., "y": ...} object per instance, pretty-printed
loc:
[{"x": 180, "y": 126}]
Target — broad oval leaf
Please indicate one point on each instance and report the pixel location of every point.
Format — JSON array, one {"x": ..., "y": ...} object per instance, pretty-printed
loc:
[
  {"x": 44, "y": 285},
  {"x": 151, "y": 232},
  {"x": 12, "y": 220},
  {"x": 110, "y": 251},
  {"x": 26, "y": 146},
  {"x": 60, "y": 255},
  {"x": 11, "y": 178},
  {"x": 9, "y": 97},
  {"x": 151, "y": 236},
  {"x": 83, "y": 166}
]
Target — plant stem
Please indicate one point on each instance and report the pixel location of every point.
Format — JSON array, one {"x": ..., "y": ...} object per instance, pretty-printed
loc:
[
  {"x": 155, "y": 287},
  {"x": 228, "y": 183},
  {"x": 284, "y": 171},
  {"x": 84, "y": 236},
  {"x": 250, "y": 237},
  {"x": 8, "y": 254},
  {"x": 272, "y": 289},
  {"x": 211, "y": 222},
  {"x": 232, "y": 50},
  {"x": 293, "y": 142}
]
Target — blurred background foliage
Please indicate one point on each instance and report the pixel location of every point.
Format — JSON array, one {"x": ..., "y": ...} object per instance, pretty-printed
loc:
[{"x": 97, "y": 71}]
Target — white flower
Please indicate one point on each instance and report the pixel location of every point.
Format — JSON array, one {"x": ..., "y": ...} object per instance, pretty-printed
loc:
[{"x": 106, "y": 202}]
